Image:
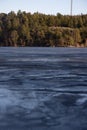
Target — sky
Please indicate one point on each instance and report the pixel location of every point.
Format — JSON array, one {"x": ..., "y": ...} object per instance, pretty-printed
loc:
[{"x": 44, "y": 6}]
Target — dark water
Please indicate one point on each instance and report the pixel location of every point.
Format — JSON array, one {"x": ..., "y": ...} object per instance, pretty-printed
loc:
[{"x": 43, "y": 89}]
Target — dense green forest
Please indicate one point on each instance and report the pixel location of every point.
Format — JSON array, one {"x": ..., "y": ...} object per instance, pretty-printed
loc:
[{"x": 26, "y": 29}]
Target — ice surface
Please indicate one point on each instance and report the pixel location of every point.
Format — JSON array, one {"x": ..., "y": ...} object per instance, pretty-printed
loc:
[{"x": 43, "y": 88}]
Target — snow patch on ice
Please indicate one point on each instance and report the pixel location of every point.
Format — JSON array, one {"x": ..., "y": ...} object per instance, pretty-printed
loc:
[{"x": 82, "y": 100}]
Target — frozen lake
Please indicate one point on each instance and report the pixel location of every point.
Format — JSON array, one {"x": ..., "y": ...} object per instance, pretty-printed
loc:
[{"x": 43, "y": 88}]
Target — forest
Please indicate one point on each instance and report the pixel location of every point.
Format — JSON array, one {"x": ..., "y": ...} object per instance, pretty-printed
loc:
[{"x": 41, "y": 30}]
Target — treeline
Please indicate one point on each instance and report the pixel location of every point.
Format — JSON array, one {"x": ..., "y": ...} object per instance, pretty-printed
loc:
[{"x": 26, "y": 29}]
